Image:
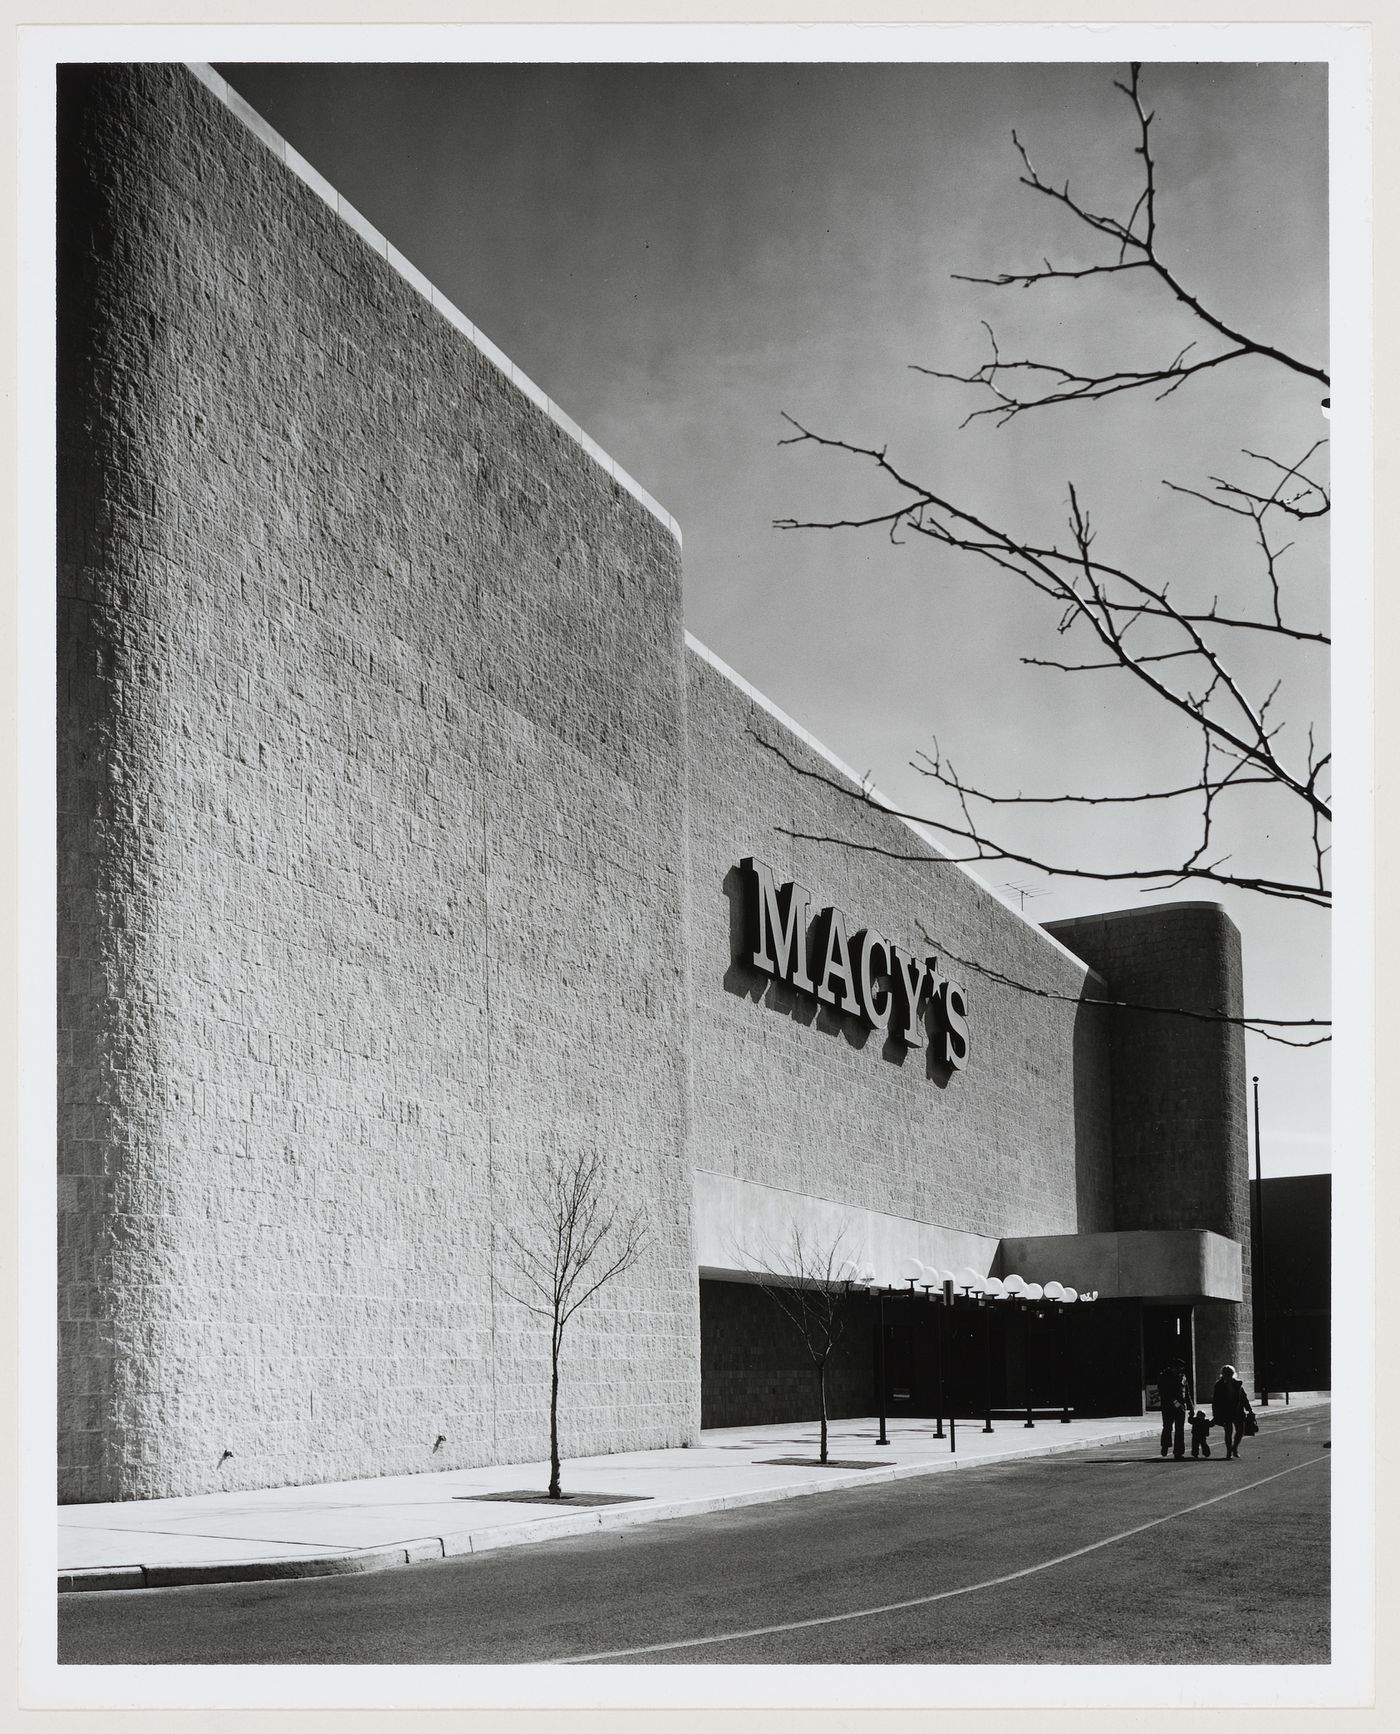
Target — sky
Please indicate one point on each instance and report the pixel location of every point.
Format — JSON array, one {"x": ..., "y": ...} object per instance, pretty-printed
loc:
[{"x": 679, "y": 255}]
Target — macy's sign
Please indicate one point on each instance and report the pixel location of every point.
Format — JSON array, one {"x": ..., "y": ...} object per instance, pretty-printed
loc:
[{"x": 863, "y": 974}]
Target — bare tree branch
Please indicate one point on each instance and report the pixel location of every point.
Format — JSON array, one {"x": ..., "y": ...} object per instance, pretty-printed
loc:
[
  {"x": 1066, "y": 385},
  {"x": 920, "y": 514},
  {"x": 1110, "y": 601},
  {"x": 1136, "y": 250},
  {"x": 1166, "y": 877},
  {"x": 1180, "y": 655},
  {"x": 986, "y": 851},
  {"x": 1266, "y": 1027},
  {"x": 1260, "y": 1025}
]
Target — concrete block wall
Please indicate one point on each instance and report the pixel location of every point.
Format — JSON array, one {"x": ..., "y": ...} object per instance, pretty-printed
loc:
[
  {"x": 1180, "y": 1110},
  {"x": 790, "y": 1095},
  {"x": 372, "y": 890}
]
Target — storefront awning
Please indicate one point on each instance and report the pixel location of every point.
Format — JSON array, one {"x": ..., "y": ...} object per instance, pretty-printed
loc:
[{"x": 1170, "y": 1264}]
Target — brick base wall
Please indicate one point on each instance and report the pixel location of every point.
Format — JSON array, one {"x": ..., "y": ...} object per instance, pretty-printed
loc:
[{"x": 754, "y": 1367}]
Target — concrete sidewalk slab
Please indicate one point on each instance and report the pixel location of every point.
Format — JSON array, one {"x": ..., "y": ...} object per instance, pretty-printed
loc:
[{"x": 357, "y": 1526}]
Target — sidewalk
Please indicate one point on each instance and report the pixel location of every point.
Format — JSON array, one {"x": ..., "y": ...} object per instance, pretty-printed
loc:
[{"x": 357, "y": 1526}]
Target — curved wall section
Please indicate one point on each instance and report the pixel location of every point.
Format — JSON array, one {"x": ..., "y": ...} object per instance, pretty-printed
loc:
[
  {"x": 372, "y": 803},
  {"x": 1180, "y": 1120}
]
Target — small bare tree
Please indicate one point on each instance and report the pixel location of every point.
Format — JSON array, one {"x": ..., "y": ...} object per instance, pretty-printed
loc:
[
  {"x": 809, "y": 1280},
  {"x": 575, "y": 1242}
]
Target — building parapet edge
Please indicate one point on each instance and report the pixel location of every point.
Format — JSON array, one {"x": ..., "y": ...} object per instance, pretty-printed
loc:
[
  {"x": 293, "y": 160},
  {"x": 879, "y": 802}
]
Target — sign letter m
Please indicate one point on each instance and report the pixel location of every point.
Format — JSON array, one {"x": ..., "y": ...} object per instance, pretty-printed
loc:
[{"x": 777, "y": 924}]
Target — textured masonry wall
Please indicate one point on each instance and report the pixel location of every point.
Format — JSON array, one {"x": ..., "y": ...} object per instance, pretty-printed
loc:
[
  {"x": 371, "y": 764},
  {"x": 796, "y": 1096},
  {"x": 1180, "y": 1116}
]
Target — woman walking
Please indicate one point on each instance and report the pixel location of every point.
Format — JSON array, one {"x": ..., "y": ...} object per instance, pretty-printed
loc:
[{"x": 1229, "y": 1403}]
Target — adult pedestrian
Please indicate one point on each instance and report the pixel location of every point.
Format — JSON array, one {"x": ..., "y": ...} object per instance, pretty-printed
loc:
[
  {"x": 1229, "y": 1403},
  {"x": 1174, "y": 1393}
]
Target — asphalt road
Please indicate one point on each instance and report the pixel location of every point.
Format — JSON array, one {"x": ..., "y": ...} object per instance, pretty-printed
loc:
[{"x": 900, "y": 1572}]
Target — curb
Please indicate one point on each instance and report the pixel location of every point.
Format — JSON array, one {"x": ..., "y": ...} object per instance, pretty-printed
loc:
[
  {"x": 129, "y": 1577},
  {"x": 462, "y": 1542}
]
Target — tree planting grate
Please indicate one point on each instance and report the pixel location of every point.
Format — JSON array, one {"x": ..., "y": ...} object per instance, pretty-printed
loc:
[
  {"x": 816, "y": 1463},
  {"x": 532, "y": 1496}
]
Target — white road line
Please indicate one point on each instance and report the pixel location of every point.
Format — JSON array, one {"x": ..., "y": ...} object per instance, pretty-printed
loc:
[{"x": 941, "y": 1595}]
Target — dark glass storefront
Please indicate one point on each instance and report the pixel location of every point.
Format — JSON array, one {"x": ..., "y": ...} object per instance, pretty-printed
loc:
[{"x": 972, "y": 1361}]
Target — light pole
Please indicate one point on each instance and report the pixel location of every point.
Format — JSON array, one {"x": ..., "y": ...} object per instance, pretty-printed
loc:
[
  {"x": 1014, "y": 1287},
  {"x": 1029, "y": 1295},
  {"x": 987, "y": 1362},
  {"x": 914, "y": 1272},
  {"x": 991, "y": 1291},
  {"x": 880, "y": 1362},
  {"x": 974, "y": 1287},
  {"x": 1055, "y": 1291},
  {"x": 1261, "y": 1302},
  {"x": 937, "y": 1306},
  {"x": 1068, "y": 1296},
  {"x": 865, "y": 1283}
]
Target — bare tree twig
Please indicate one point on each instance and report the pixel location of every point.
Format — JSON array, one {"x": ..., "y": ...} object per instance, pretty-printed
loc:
[
  {"x": 1137, "y": 250},
  {"x": 1193, "y": 664},
  {"x": 1265, "y": 1027},
  {"x": 1110, "y": 601}
]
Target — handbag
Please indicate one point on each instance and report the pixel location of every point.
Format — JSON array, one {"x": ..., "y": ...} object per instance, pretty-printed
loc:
[{"x": 1251, "y": 1426}]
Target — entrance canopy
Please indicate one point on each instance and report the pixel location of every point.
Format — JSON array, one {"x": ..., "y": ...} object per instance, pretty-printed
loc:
[
  {"x": 741, "y": 1228},
  {"x": 1170, "y": 1264}
]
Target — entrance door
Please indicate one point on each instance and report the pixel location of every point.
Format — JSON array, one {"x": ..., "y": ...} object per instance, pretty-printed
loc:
[
  {"x": 1166, "y": 1333},
  {"x": 911, "y": 1357},
  {"x": 966, "y": 1346},
  {"x": 1106, "y": 1342}
]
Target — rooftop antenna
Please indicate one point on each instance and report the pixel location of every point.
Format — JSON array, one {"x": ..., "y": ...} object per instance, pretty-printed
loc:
[{"x": 1025, "y": 891}]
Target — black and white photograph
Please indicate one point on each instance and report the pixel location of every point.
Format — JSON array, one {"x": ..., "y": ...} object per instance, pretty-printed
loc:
[{"x": 686, "y": 705}]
